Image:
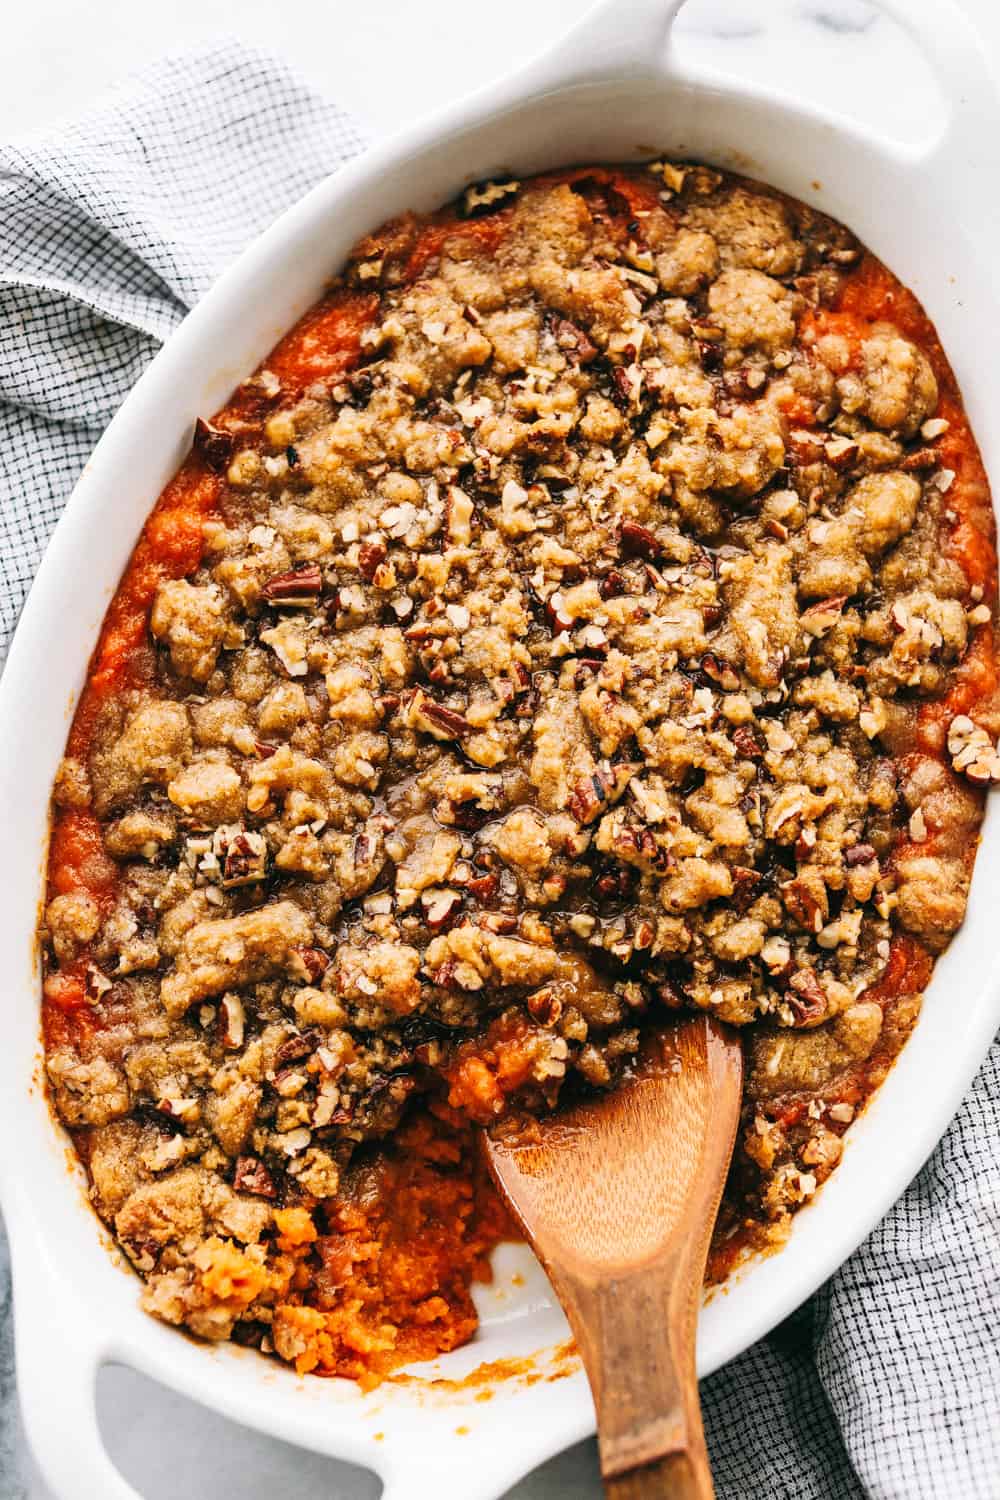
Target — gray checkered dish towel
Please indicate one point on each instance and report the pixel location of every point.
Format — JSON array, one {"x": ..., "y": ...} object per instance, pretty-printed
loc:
[{"x": 887, "y": 1384}]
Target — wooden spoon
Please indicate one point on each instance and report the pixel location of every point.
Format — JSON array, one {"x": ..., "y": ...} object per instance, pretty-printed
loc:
[{"x": 618, "y": 1196}]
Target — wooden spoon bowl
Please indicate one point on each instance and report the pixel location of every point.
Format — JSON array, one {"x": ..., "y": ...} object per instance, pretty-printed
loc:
[{"x": 618, "y": 1196}]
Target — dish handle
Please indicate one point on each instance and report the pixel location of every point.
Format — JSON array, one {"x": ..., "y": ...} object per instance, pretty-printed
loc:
[
  {"x": 59, "y": 1352},
  {"x": 480, "y": 1473},
  {"x": 959, "y": 56},
  {"x": 614, "y": 39}
]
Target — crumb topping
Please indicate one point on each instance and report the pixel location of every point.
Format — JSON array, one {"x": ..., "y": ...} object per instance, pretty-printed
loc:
[{"x": 558, "y": 660}]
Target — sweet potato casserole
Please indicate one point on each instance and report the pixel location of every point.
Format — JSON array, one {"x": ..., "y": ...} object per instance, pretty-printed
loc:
[{"x": 586, "y": 611}]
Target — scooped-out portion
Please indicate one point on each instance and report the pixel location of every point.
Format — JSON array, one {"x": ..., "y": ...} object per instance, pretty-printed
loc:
[{"x": 586, "y": 611}]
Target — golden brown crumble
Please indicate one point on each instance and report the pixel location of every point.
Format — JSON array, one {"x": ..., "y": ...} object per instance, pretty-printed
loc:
[{"x": 559, "y": 659}]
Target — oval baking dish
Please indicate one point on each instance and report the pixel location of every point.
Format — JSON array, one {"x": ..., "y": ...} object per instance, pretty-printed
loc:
[{"x": 611, "y": 91}]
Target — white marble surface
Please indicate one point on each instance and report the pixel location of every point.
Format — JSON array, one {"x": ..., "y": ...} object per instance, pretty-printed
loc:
[{"x": 387, "y": 60}]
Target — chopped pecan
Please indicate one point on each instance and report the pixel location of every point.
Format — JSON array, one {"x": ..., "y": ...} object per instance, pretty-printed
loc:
[
  {"x": 841, "y": 452},
  {"x": 848, "y": 255},
  {"x": 612, "y": 584},
  {"x": 302, "y": 1044},
  {"x": 720, "y": 671},
  {"x": 595, "y": 793},
  {"x": 745, "y": 384},
  {"x": 483, "y": 196},
  {"x": 615, "y": 881},
  {"x": 805, "y": 996},
  {"x": 545, "y": 1006},
  {"x": 642, "y": 934},
  {"x": 624, "y": 386},
  {"x": 299, "y": 586},
  {"x": 859, "y": 854},
  {"x": 503, "y": 922},
  {"x": 243, "y": 858},
  {"x": 314, "y": 961},
  {"x": 251, "y": 1176},
  {"x": 440, "y": 906},
  {"x": 671, "y": 993},
  {"x": 424, "y": 712},
  {"x": 747, "y": 743},
  {"x": 746, "y": 886},
  {"x": 558, "y": 622},
  {"x": 232, "y": 1021},
  {"x": 483, "y": 887},
  {"x": 803, "y": 905},
  {"x": 638, "y": 541},
  {"x": 573, "y": 341},
  {"x": 972, "y": 751},
  {"x": 371, "y": 555},
  {"x": 919, "y": 460},
  {"x": 823, "y": 615},
  {"x": 143, "y": 1253},
  {"x": 215, "y": 445}
]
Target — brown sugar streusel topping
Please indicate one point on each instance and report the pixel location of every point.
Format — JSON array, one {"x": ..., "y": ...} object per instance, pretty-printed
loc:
[{"x": 610, "y": 631}]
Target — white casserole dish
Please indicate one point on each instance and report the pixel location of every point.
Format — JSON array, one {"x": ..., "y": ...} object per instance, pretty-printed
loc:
[{"x": 611, "y": 92}]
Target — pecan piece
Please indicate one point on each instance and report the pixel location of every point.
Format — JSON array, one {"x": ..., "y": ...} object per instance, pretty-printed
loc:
[
  {"x": 747, "y": 743},
  {"x": 720, "y": 671},
  {"x": 502, "y": 922},
  {"x": 745, "y": 384},
  {"x": 920, "y": 459},
  {"x": 552, "y": 609},
  {"x": 314, "y": 961},
  {"x": 803, "y": 905},
  {"x": 251, "y": 1176},
  {"x": 293, "y": 1048},
  {"x": 823, "y": 615},
  {"x": 545, "y": 1006},
  {"x": 616, "y": 882},
  {"x": 639, "y": 541},
  {"x": 625, "y": 386},
  {"x": 806, "y": 997},
  {"x": 371, "y": 555},
  {"x": 483, "y": 196},
  {"x": 243, "y": 858},
  {"x": 841, "y": 453},
  {"x": 483, "y": 887},
  {"x": 612, "y": 584},
  {"x": 595, "y": 793},
  {"x": 746, "y": 886},
  {"x": 232, "y": 1021},
  {"x": 143, "y": 1253},
  {"x": 972, "y": 752},
  {"x": 301, "y": 585},
  {"x": 424, "y": 712},
  {"x": 573, "y": 341},
  {"x": 215, "y": 445},
  {"x": 440, "y": 906}
]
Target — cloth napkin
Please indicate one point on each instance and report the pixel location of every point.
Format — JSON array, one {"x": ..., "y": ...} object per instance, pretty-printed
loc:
[{"x": 886, "y": 1385}]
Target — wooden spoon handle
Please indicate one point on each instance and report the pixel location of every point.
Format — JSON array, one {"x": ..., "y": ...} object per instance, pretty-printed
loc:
[
  {"x": 636, "y": 1334},
  {"x": 680, "y": 1476}
]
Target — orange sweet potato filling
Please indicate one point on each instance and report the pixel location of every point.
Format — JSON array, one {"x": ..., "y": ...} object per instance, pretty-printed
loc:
[{"x": 390, "y": 1271}]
